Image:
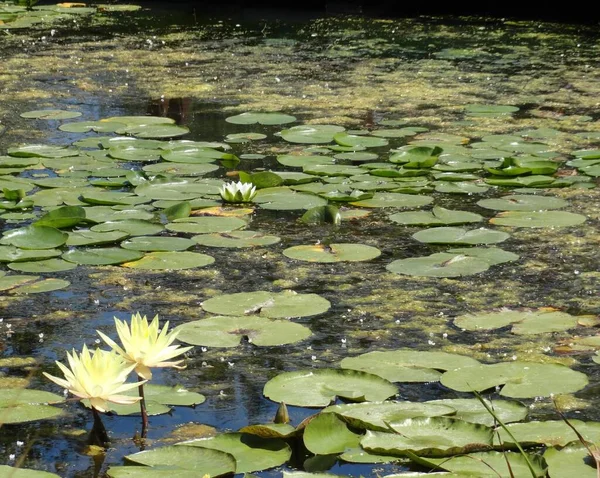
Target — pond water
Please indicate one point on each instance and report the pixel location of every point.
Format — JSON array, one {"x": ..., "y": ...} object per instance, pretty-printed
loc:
[{"x": 452, "y": 79}]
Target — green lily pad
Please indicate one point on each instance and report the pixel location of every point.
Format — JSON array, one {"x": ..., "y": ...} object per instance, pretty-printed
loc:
[
  {"x": 101, "y": 256},
  {"x": 285, "y": 199},
  {"x": 359, "y": 156},
  {"x": 271, "y": 430},
  {"x": 42, "y": 151},
  {"x": 34, "y": 237},
  {"x": 300, "y": 161},
  {"x": 251, "y": 117},
  {"x": 206, "y": 225},
  {"x": 195, "y": 155},
  {"x": 318, "y": 388},
  {"x": 524, "y": 322},
  {"x": 244, "y": 137},
  {"x": 14, "y": 472},
  {"x": 50, "y": 114},
  {"x": 397, "y": 200},
  {"x": 131, "y": 227},
  {"x": 523, "y": 202},
  {"x": 66, "y": 216},
  {"x": 398, "y": 133},
  {"x": 457, "y": 235},
  {"x": 417, "y": 157},
  {"x": 550, "y": 433},
  {"x": 180, "y": 169},
  {"x": 316, "y": 134},
  {"x": 472, "y": 410},
  {"x": 227, "y": 331},
  {"x": 43, "y": 266},
  {"x": 322, "y": 215},
  {"x": 535, "y": 181},
  {"x": 538, "y": 219},
  {"x": 236, "y": 239},
  {"x": 437, "y": 216},
  {"x": 520, "y": 379},
  {"x": 43, "y": 285},
  {"x": 431, "y": 436},
  {"x": 460, "y": 187},
  {"x": 96, "y": 126},
  {"x": 14, "y": 254},
  {"x": 251, "y": 452},
  {"x": 112, "y": 198},
  {"x": 12, "y": 281},
  {"x": 183, "y": 458},
  {"x": 170, "y": 261},
  {"x": 407, "y": 365},
  {"x": 326, "y": 434},
  {"x": 135, "y": 154},
  {"x": 572, "y": 460},
  {"x": 492, "y": 255},
  {"x": 377, "y": 415},
  {"x": 155, "y": 130},
  {"x": 21, "y": 405},
  {"x": 178, "y": 189},
  {"x": 93, "y": 238},
  {"x": 274, "y": 305},
  {"x": 160, "y": 243},
  {"x": 441, "y": 264},
  {"x": 332, "y": 253},
  {"x": 351, "y": 140}
]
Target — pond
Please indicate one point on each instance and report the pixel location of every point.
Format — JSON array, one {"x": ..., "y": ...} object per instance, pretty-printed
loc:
[{"x": 424, "y": 226}]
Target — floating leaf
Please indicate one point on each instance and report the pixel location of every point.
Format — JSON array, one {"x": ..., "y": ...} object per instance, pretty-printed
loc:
[
  {"x": 318, "y": 388},
  {"x": 227, "y": 331},
  {"x": 251, "y": 452},
  {"x": 431, "y": 436},
  {"x": 35, "y": 237},
  {"x": 490, "y": 111},
  {"x": 274, "y": 305},
  {"x": 42, "y": 151},
  {"x": 472, "y": 410},
  {"x": 21, "y": 405},
  {"x": 538, "y": 219},
  {"x": 441, "y": 264},
  {"x": 14, "y": 254},
  {"x": 50, "y": 114},
  {"x": 437, "y": 216},
  {"x": 524, "y": 322},
  {"x": 407, "y": 365},
  {"x": 550, "y": 433},
  {"x": 66, "y": 216},
  {"x": 206, "y": 225},
  {"x": 251, "y": 117},
  {"x": 17, "y": 472},
  {"x": 129, "y": 227},
  {"x": 397, "y": 200},
  {"x": 170, "y": 261},
  {"x": 237, "y": 239},
  {"x": 492, "y": 255},
  {"x": 92, "y": 238},
  {"x": 322, "y": 215},
  {"x": 457, "y": 235},
  {"x": 44, "y": 285},
  {"x": 332, "y": 253},
  {"x": 523, "y": 202},
  {"x": 101, "y": 256},
  {"x": 12, "y": 281},
  {"x": 43, "y": 266},
  {"x": 351, "y": 140},
  {"x": 572, "y": 460},
  {"x": 520, "y": 379},
  {"x": 161, "y": 243},
  {"x": 318, "y": 133},
  {"x": 326, "y": 434}
]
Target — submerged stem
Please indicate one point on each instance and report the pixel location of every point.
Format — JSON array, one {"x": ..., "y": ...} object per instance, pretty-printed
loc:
[
  {"x": 98, "y": 435},
  {"x": 143, "y": 409}
]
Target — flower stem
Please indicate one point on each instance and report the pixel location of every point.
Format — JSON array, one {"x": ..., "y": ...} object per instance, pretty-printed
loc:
[
  {"x": 98, "y": 435},
  {"x": 143, "y": 409}
]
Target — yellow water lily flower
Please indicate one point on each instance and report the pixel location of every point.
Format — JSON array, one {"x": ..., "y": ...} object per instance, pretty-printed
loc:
[
  {"x": 99, "y": 376},
  {"x": 144, "y": 346}
]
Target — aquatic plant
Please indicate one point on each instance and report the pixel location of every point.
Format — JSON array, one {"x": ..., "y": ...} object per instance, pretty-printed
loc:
[{"x": 238, "y": 192}]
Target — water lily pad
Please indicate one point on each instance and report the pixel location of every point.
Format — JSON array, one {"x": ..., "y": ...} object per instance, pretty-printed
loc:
[
  {"x": 195, "y": 155},
  {"x": 437, "y": 216},
  {"x": 299, "y": 161},
  {"x": 227, "y": 331},
  {"x": 44, "y": 285},
  {"x": 50, "y": 114},
  {"x": 550, "y": 432},
  {"x": 271, "y": 430},
  {"x": 14, "y": 254},
  {"x": 523, "y": 202},
  {"x": 519, "y": 379},
  {"x": 460, "y": 187},
  {"x": 318, "y": 388},
  {"x": 318, "y": 133},
  {"x": 244, "y": 137},
  {"x": 284, "y": 199},
  {"x": 236, "y": 239},
  {"x": 326, "y": 434},
  {"x": 492, "y": 255},
  {"x": 398, "y": 200},
  {"x": 490, "y": 111},
  {"x": 135, "y": 154},
  {"x": 131, "y": 227},
  {"x": 524, "y": 322},
  {"x": 407, "y": 365},
  {"x": 34, "y": 237},
  {"x": 12, "y": 281},
  {"x": 251, "y": 117},
  {"x": 180, "y": 458},
  {"x": 66, "y": 216},
  {"x": 441, "y": 264},
  {"x": 21, "y": 405},
  {"x": 180, "y": 169},
  {"x": 155, "y": 131},
  {"x": 17, "y": 472},
  {"x": 178, "y": 189},
  {"x": 535, "y": 181},
  {"x": 93, "y": 238},
  {"x": 42, "y": 151},
  {"x": 206, "y": 225},
  {"x": 251, "y": 452},
  {"x": 457, "y": 235},
  {"x": 86, "y": 126},
  {"x": 170, "y": 261},
  {"x": 472, "y": 410},
  {"x": 43, "y": 266},
  {"x": 538, "y": 219},
  {"x": 274, "y": 305},
  {"x": 572, "y": 460},
  {"x": 351, "y": 140},
  {"x": 160, "y": 243},
  {"x": 332, "y": 253},
  {"x": 101, "y": 256},
  {"x": 377, "y": 415}
]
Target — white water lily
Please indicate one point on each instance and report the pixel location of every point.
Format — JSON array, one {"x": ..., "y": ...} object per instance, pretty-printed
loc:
[
  {"x": 238, "y": 192},
  {"x": 145, "y": 346},
  {"x": 98, "y": 376}
]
